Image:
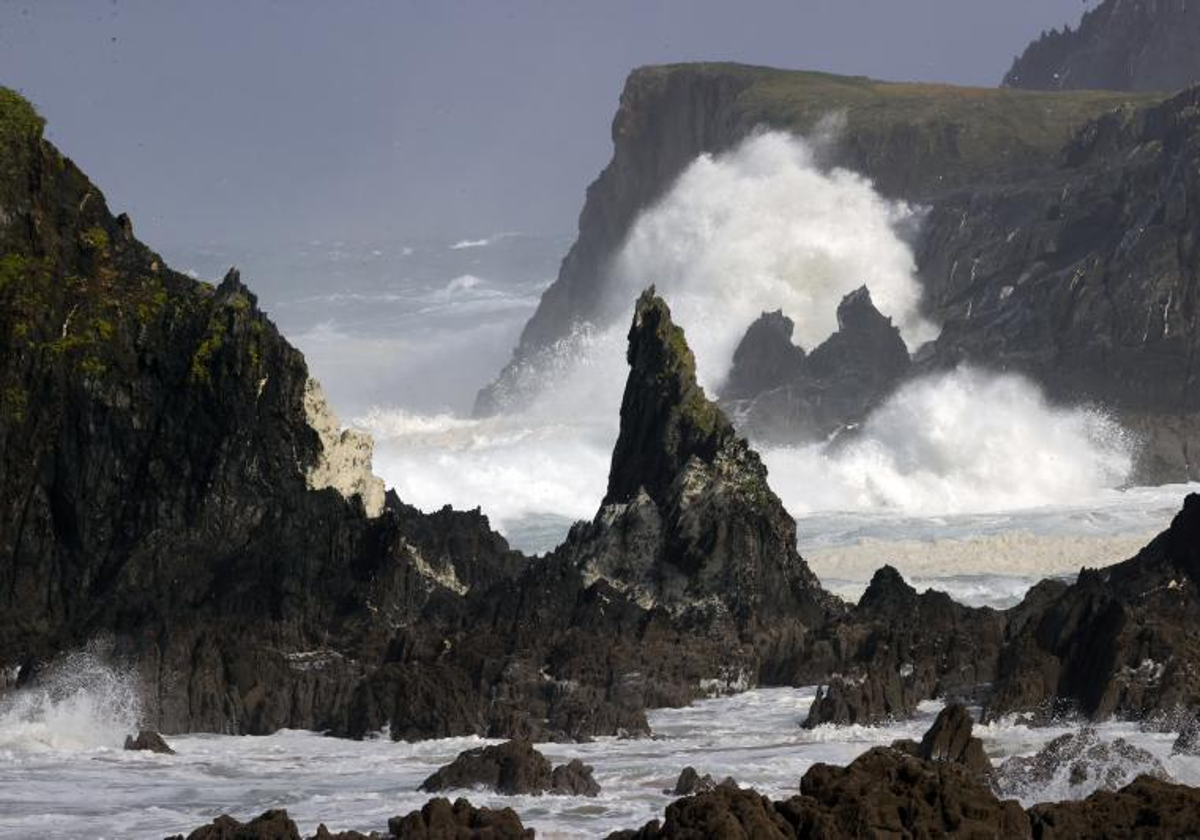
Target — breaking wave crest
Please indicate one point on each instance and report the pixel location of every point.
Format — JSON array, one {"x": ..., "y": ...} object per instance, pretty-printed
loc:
[{"x": 80, "y": 703}]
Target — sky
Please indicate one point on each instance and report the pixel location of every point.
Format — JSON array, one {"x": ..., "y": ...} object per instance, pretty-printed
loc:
[{"x": 253, "y": 122}]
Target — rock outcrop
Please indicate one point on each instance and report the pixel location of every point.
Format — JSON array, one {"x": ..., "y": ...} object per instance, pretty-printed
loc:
[
  {"x": 1146, "y": 808},
  {"x": 950, "y": 740},
  {"x": 148, "y": 740},
  {"x": 793, "y": 397},
  {"x": 1117, "y": 641},
  {"x": 895, "y": 649},
  {"x": 513, "y": 768},
  {"x": 1119, "y": 45},
  {"x": 436, "y": 820}
]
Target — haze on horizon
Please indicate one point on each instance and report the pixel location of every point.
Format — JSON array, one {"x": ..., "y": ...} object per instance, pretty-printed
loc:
[{"x": 269, "y": 123}]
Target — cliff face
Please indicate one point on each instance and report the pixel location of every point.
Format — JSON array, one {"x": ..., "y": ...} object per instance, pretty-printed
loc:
[
  {"x": 1086, "y": 278},
  {"x": 154, "y": 485},
  {"x": 915, "y": 142},
  {"x": 1119, "y": 45}
]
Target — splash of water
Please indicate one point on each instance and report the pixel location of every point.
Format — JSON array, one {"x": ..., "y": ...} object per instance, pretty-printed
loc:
[
  {"x": 79, "y": 703},
  {"x": 761, "y": 227}
]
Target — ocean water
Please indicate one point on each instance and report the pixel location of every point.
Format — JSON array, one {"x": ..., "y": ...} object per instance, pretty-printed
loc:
[
  {"x": 86, "y": 786},
  {"x": 970, "y": 481}
]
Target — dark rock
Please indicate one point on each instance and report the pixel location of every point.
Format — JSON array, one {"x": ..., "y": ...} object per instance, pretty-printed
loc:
[
  {"x": 691, "y": 782},
  {"x": 883, "y": 793},
  {"x": 439, "y": 820},
  {"x": 765, "y": 359},
  {"x": 950, "y": 740},
  {"x": 270, "y": 825},
  {"x": 833, "y": 389},
  {"x": 1147, "y": 808},
  {"x": 148, "y": 739},
  {"x": 511, "y": 768},
  {"x": 1119, "y": 45},
  {"x": 573, "y": 779},
  {"x": 1082, "y": 760},
  {"x": 1116, "y": 642},
  {"x": 895, "y": 649}
]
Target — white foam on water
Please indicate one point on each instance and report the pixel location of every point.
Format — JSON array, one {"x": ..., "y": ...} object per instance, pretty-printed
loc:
[
  {"x": 756, "y": 737},
  {"x": 80, "y": 703}
]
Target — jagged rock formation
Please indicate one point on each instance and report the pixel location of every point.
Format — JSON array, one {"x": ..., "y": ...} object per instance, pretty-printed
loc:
[
  {"x": 1119, "y": 45},
  {"x": 512, "y": 768},
  {"x": 895, "y": 649},
  {"x": 950, "y": 740},
  {"x": 917, "y": 142},
  {"x": 691, "y": 499},
  {"x": 345, "y": 460},
  {"x": 1117, "y": 641},
  {"x": 788, "y": 396}
]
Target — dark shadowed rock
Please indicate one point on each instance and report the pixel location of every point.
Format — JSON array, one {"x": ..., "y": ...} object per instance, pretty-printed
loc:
[
  {"x": 271, "y": 825},
  {"x": 1119, "y": 45},
  {"x": 1116, "y": 642},
  {"x": 1081, "y": 760},
  {"x": 690, "y": 782},
  {"x": 689, "y": 521},
  {"x": 765, "y": 359},
  {"x": 950, "y": 740},
  {"x": 833, "y": 388},
  {"x": 148, "y": 739},
  {"x": 511, "y": 768},
  {"x": 1148, "y": 809},
  {"x": 895, "y": 649},
  {"x": 573, "y": 779},
  {"x": 439, "y": 820},
  {"x": 883, "y": 793}
]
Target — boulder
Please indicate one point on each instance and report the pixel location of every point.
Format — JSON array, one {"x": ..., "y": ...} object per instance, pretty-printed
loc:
[
  {"x": 270, "y": 825},
  {"x": 573, "y": 779},
  {"x": 1148, "y": 809},
  {"x": 439, "y": 820},
  {"x": 513, "y": 768},
  {"x": 950, "y": 740},
  {"x": 148, "y": 739}
]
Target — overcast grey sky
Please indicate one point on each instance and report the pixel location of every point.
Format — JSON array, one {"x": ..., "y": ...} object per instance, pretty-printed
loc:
[{"x": 234, "y": 121}]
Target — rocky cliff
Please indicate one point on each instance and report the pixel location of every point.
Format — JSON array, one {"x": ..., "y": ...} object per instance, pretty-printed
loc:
[
  {"x": 1119, "y": 45},
  {"x": 915, "y": 141},
  {"x": 176, "y": 495}
]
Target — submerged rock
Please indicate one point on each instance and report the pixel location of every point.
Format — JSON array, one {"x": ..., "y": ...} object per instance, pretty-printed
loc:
[
  {"x": 513, "y": 768},
  {"x": 148, "y": 739},
  {"x": 1081, "y": 761}
]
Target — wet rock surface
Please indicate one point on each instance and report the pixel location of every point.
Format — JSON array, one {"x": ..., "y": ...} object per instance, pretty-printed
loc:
[
  {"x": 513, "y": 768},
  {"x": 149, "y": 740}
]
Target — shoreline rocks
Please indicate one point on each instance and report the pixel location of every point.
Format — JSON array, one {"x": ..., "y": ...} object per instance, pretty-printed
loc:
[
  {"x": 149, "y": 740},
  {"x": 511, "y": 769}
]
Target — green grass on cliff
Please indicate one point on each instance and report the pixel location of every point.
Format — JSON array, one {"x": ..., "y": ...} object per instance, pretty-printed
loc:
[
  {"x": 967, "y": 130},
  {"x": 18, "y": 120}
]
